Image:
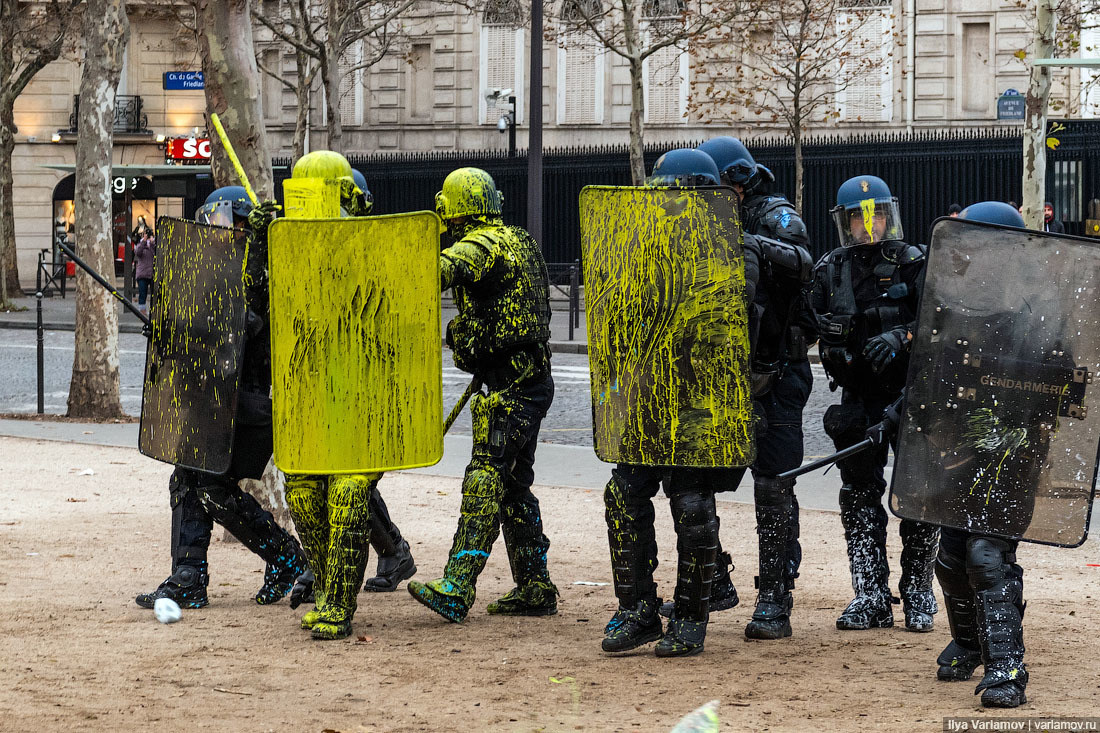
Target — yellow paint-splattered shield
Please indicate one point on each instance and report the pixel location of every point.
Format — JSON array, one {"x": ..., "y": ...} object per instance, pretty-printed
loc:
[
  {"x": 668, "y": 344},
  {"x": 355, "y": 343},
  {"x": 192, "y": 366}
]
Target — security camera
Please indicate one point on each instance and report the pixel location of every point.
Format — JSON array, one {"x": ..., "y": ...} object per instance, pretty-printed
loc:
[{"x": 493, "y": 94}]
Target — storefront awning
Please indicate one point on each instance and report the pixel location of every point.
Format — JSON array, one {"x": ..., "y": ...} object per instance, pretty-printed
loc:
[{"x": 154, "y": 169}]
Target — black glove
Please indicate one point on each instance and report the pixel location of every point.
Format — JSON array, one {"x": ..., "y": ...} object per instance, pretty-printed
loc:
[
  {"x": 261, "y": 216},
  {"x": 883, "y": 431},
  {"x": 302, "y": 592},
  {"x": 882, "y": 349}
]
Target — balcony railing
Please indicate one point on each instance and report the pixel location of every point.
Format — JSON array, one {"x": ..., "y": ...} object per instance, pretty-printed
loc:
[{"x": 129, "y": 114}]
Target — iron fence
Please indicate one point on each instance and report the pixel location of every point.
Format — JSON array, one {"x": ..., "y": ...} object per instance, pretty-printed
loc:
[{"x": 928, "y": 171}]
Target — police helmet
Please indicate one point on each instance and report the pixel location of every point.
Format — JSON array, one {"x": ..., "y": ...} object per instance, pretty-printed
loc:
[
  {"x": 866, "y": 212},
  {"x": 685, "y": 168},
  {"x": 736, "y": 163},
  {"x": 331, "y": 165},
  {"x": 364, "y": 198},
  {"x": 468, "y": 192},
  {"x": 223, "y": 205},
  {"x": 993, "y": 212}
]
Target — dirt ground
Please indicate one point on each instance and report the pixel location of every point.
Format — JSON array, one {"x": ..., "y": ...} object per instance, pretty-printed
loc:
[{"x": 77, "y": 654}]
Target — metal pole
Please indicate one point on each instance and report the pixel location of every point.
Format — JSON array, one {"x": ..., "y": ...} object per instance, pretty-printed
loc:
[
  {"x": 577, "y": 293},
  {"x": 512, "y": 128},
  {"x": 99, "y": 279},
  {"x": 572, "y": 297},
  {"x": 41, "y": 357},
  {"x": 534, "y": 136}
]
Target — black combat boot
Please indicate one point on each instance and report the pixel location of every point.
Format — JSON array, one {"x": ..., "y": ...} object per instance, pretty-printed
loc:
[
  {"x": 722, "y": 593},
  {"x": 918, "y": 561},
  {"x": 279, "y": 579},
  {"x": 693, "y": 517},
  {"x": 186, "y": 586},
  {"x": 962, "y": 656},
  {"x": 633, "y": 545},
  {"x": 527, "y": 545},
  {"x": 865, "y": 532},
  {"x": 1000, "y": 611},
  {"x": 772, "y": 617},
  {"x": 395, "y": 560}
]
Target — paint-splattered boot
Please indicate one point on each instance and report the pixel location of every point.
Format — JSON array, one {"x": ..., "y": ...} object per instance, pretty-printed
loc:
[
  {"x": 186, "y": 586},
  {"x": 279, "y": 579},
  {"x": 918, "y": 564},
  {"x": 527, "y": 545},
  {"x": 333, "y": 622},
  {"x": 865, "y": 532}
]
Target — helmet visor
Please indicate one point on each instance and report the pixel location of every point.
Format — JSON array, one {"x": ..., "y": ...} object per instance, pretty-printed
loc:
[
  {"x": 219, "y": 214},
  {"x": 871, "y": 222}
]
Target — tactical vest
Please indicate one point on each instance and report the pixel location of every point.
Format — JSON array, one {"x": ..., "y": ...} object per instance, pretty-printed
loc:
[
  {"x": 845, "y": 327},
  {"x": 506, "y": 310}
]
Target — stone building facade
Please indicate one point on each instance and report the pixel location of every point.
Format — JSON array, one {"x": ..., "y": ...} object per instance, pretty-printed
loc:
[{"x": 942, "y": 64}]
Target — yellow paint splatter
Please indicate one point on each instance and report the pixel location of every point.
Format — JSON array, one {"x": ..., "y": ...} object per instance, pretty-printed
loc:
[
  {"x": 355, "y": 343},
  {"x": 667, "y": 326}
]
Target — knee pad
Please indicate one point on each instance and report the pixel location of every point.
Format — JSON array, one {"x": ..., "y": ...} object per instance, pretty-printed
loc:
[
  {"x": 482, "y": 489},
  {"x": 179, "y": 484},
  {"x": 990, "y": 560},
  {"x": 770, "y": 491},
  {"x": 951, "y": 569},
  {"x": 305, "y": 494},
  {"x": 693, "y": 509},
  {"x": 348, "y": 501},
  {"x": 220, "y": 499},
  {"x": 855, "y": 496}
]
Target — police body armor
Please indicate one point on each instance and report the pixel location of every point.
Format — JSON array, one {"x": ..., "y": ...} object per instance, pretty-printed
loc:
[
  {"x": 505, "y": 312},
  {"x": 775, "y": 218},
  {"x": 788, "y": 271},
  {"x": 997, "y": 435},
  {"x": 844, "y": 328}
]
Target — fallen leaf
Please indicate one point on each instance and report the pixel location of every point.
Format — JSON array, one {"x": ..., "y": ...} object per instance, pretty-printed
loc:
[{"x": 73, "y": 500}]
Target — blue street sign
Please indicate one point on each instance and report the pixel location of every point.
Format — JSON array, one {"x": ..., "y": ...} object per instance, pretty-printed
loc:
[
  {"x": 1011, "y": 106},
  {"x": 183, "y": 80}
]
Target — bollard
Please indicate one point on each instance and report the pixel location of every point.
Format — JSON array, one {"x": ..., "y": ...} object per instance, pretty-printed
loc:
[
  {"x": 572, "y": 298},
  {"x": 41, "y": 358}
]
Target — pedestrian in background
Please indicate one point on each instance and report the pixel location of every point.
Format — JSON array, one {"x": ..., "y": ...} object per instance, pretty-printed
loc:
[{"x": 144, "y": 252}]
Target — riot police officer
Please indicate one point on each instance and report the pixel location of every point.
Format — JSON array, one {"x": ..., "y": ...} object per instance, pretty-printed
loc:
[
  {"x": 629, "y": 506},
  {"x": 500, "y": 335},
  {"x": 981, "y": 581},
  {"x": 865, "y": 297},
  {"x": 199, "y": 499},
  {"x": 782, "y": 379}
]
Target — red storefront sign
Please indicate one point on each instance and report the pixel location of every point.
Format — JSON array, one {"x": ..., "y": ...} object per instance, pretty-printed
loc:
[{"x": 187, "y": 150}]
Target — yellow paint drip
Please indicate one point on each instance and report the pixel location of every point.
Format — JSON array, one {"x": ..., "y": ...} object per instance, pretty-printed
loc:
[
  {"x": 192, "y": 369},
  {"x": 868, "y": 207},
  {"x": 667, "y": 327},
  {"x": 311, "y": 198},
  {"x": 355, "y": 343}
]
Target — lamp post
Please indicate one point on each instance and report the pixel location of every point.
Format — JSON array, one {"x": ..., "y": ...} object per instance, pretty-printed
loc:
[{"x": 507, "y": 123}]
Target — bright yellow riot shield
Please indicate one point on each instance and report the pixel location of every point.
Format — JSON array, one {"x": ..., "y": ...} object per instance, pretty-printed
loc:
[
  {"x": 355, "y": 343},
  {"x": 668, "y": 336}
]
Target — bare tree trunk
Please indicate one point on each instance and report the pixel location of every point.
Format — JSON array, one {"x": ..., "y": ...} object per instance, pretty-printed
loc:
[
  {"x": 330, "y": 77},
  {"x": 798, "y": 172},
  {"x": 233, "y": 91},
  {"x": 637, "y": 111},
  {"x": 1035, "y": 119},
  {"x": 301, "y": 120},
  {"x": 94, "y": 391},
  {"x": 9, "y": 266}
]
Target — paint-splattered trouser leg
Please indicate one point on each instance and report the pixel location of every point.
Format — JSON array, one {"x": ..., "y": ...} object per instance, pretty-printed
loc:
[
  {"x": 349, "y": 538},
  {"x": 255, "y": 527},
  {"x": 628, "y": 505},
  {"x": 998, "y": 584},
  {"x": 521, "y": 520},
  {"x": 306, "y": 497},
  {"x": 191, "y": 523}
]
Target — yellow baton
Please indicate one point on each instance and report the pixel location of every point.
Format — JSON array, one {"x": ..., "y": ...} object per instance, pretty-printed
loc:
[{"x": 233, "y": 158}]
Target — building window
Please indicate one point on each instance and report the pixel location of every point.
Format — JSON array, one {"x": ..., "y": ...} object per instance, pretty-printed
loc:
[
  {"x": 272, "y": 88},
  {"x": 664, "y": 73},
  {"x": 867, "y": 94},
  {"x": 976, "y": 94},
  {"x": 351, "y": 85},
  {"x": 580, "y": 69},
  {"x": 502, "y": 47},
  {"x": 421, "y": 84},
  {"x": 1090, "y": 78}
]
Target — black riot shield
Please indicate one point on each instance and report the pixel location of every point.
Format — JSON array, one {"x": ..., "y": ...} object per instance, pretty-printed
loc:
[
  {"x": 192, "y": 366},
  {"x": 998, "y": 436},
  {"x": 667, "y": 326}
]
